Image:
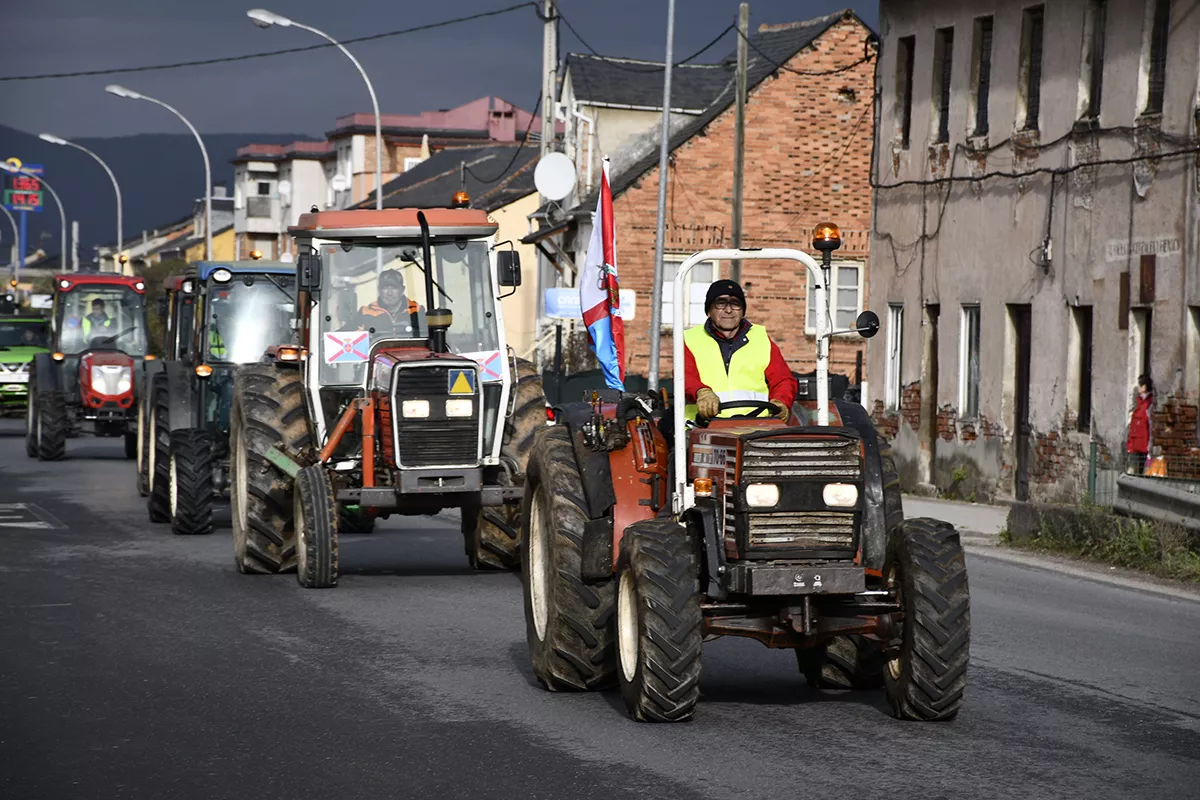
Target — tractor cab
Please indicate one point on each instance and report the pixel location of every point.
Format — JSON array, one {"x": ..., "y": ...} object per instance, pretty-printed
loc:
[{"x": 99, "y": 343}]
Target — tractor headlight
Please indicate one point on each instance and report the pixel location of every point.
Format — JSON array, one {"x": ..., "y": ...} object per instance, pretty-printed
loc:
[
  {"x": 460, "y": 408},
  {"x": 762, "y": 495},
  {"x": 414, "y": 408},
  {"x": 840, "y": 495},
  {"x": 111, "y": 379}
]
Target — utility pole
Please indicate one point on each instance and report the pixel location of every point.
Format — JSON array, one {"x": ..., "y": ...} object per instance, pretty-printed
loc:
[
  {"x": 549, "y": 76},
  {"x": 74, "y": 245},
  {"x": 739, "y": 136},
  {"x": 664, "y": 155}
]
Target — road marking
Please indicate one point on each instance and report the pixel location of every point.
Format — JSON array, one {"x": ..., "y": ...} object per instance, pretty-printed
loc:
[{"x": 28, "y": 516}]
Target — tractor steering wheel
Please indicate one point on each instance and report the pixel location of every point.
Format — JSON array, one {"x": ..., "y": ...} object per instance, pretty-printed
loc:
[{"x": 754, "y": 407}]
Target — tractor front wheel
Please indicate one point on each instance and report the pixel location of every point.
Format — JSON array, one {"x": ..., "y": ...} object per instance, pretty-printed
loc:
[
  {"x": 158, "y": 450},
  {"x": 926, "y": 674},
  {"x": 31, "y": 448},
  {"x": 316, "y": 529},
  {"x": 658, "y": 622},
  {"x": 568, "y": 623},
  {"x": 492, "y": 534},
  {"x": 191, "y": 482},
  {"x": 51, "y": 427},
  {"x": 143, "y": 441}
]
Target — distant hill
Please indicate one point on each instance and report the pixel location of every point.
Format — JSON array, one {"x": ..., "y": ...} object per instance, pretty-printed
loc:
[{"x": 160, "y": 176}]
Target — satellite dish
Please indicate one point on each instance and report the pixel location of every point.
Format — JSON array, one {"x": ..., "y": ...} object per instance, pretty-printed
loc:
[
  {"x": 339, "y": 183},
  {"x": 285, "y": 188},
  {"x": 286, "y": 258},
  {"x": 554, "y": 176}
]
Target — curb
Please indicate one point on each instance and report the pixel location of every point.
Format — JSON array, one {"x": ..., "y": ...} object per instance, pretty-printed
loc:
[{"x": 1082, "y": 570}]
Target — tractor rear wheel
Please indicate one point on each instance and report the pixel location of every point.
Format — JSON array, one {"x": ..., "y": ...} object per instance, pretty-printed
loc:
[
  {"x": 143, "y": 442},
  {"x": 268, "y": 409},
  {"x": 315, "y": 513},
  {"x": 845, "y": 662},
  {"x": 568, "y": 623},
  {"x": 658, "y": 622},
  {"x": 31, "y": 449},
  {"x": 158, "y": 449},
  {"x": 492, "y": 534},
  {"x": 191, "y": 482},
  {"x": 354, "y": 519},
  {"x": 51, "y": 427},
  {"x": 926, "y": 675}
]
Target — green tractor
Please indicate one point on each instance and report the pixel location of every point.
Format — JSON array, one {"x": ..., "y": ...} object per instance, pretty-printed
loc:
[
  {"x": 22, "y": 336},
  {"x": 219, "y": 316}
]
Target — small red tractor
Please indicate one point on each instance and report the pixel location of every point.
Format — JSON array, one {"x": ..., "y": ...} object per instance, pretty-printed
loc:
[
  {"x": 400, "y": 397},
  {"x": 635, "y": 550},
  {"x": 89, "y": 379}
]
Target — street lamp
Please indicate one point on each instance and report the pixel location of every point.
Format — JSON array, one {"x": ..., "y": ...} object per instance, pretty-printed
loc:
[
  {"x": 121, "y": 91},
  {"x": 265, "y": 19},
  {"x": 52, "y": 139},
  {"x": 62, "y": 215}
]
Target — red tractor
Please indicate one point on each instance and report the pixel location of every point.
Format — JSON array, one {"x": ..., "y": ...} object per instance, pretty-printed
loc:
[
  {"x": 88, "y": 381},
  {"x": 792, "y": 533}
]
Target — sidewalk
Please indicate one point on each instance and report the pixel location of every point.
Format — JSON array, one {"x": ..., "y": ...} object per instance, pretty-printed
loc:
[{"x": 978, "y": 524}]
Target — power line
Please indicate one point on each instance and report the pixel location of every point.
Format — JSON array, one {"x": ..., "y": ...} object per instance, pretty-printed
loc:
[
  {"x": 648, "y": 70},
  {"x": 517, "y": 152},
  {"x": 250, "y": 56},
  {"x": 806, "y": 73}
]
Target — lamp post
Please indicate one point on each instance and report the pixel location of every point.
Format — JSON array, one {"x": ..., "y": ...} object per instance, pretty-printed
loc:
[
  {"x": 121, "y": 91},
  {"x": 52, "y": 139},
  {"x": 16, "y": 240},
  {"x": 265, "y": 19},
  {"x": 62, "y": 215}
]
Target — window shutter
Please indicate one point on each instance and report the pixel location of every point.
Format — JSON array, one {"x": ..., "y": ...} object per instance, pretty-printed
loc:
[
  {"x": 983, "y": 90},
  {"x": 1033, "y": 91}
]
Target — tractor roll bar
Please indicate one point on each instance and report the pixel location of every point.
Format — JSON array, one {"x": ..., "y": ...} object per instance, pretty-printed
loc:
[{"x": 684, "y": 498}]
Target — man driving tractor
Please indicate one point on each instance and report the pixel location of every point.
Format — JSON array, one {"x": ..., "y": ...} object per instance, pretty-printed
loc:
[
  {"x": 393, "y": 313},
  {"x": 729, "y": 359},
  {"x": 96, "y": 320}
]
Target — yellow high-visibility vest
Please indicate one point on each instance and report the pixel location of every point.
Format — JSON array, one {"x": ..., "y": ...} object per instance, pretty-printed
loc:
[{"x": 746, "y": 378}]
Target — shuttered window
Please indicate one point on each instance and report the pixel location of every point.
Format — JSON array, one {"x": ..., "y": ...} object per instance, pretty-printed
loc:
[
  {"x": 943, "y": 65},
  {"x": 1158, "y": 56},
  {"x": 1032, "y": 68},
  {"x": 1098, "y": 11},
  {"x": 983, "y": 73},
  {"x": 905, "y": 53}
]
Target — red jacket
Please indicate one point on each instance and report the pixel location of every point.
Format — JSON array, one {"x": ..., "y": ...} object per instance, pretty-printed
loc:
[
  {"x": 779, "y": 376},
  {"x": 1139, "y": 426}
]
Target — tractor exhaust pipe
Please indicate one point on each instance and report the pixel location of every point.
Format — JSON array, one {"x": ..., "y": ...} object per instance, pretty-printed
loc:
[{"x": 438, "y": 319}]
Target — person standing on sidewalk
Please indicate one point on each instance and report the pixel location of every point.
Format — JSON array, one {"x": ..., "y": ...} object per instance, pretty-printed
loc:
[{"x": 1137, "y": 444}]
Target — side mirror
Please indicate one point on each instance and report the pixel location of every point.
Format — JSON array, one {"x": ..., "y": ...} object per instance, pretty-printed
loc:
[
  {"x": 867, "y": 324},
  {"x": 508, "y": 267},
  {"x": 308, "y": 273},
  {"x": 162, "y": 306}
]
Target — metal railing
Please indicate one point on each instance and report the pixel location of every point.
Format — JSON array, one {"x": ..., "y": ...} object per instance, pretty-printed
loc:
[{"x": 1161, "y": 499}]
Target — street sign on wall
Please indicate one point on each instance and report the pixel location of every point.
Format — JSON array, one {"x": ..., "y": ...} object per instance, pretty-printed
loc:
[
  {"x": 564, "y": 304},
  {"x": 22, "y": 192}
]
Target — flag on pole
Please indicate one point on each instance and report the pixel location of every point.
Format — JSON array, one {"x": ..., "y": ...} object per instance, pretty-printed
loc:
[{"x": 599, "y": 291}]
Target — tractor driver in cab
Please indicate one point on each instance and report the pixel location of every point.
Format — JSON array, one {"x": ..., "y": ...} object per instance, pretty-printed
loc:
[
  {"x": 97, "y": 323},
  {"x": 728, "y": 359},
  {"x": 393, "y": 314}
]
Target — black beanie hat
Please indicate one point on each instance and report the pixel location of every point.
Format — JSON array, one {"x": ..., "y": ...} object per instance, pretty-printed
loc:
[{"x": 721, "y": 288}]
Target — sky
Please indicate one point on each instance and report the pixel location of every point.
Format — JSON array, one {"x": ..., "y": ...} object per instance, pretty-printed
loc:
[{"x": 303, "y": 93}]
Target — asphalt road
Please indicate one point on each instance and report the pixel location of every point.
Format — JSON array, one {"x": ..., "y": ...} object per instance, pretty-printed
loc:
[{"x": 137, "y": 664}]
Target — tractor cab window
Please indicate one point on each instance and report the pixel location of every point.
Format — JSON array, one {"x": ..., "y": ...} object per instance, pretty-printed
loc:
[
  {"x": 375, "y": 293},
  {"x": 101, "y": 318},
  {"x": 24, "y": 333},
  {"x": 245, "y": 316}
]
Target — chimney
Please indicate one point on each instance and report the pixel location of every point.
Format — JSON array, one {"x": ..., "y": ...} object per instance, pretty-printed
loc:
[{"x": 219, "y": 189}]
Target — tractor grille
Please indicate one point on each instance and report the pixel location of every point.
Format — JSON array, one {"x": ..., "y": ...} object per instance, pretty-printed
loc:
[
  {"x": 809, "y": 530},
  {"x": 772, "y": 459},
  {"x": 436, "y": 440}
]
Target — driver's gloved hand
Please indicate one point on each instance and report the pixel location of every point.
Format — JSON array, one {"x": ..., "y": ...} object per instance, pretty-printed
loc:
[
  {"x": 707, "y": 402},
  {"x": 782, "y": 411}
]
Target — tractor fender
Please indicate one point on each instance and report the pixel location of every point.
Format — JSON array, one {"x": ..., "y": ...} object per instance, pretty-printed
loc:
[
  {"x": 46, "y": 374},
  {"x": 596, "y": 477},
  {"x": 181, "y": 396},
  {"x": 874, "y": 516}
]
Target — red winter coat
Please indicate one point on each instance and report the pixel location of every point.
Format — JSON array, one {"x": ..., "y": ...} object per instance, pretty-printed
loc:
[{"x": 1139, "y": 426}]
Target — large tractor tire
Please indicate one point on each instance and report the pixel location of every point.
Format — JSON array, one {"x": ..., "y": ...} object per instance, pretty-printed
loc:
[
  {"x": 143, "y": 441},
  {"x": 926, "y": 676},
  {"x": 893, "y": 502},
  {"x": 268, "y": 409},
  {"x": 568, "y": 623},
  {"x": 52, "y": 425},
  {"x": 492, "y": 533},
  {"x": 31, "y": 448},
  {"x": 354, "y": 519},
  {"x": 315, "y": 513},
  {"x": 658, "y": 622},
  {"x": 845, "y": 662},
  {"x": 158, "y": 449},
  {"x": 191, "y": 482}
]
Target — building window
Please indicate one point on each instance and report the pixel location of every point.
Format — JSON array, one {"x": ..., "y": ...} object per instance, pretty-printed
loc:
[
  {"x": 943, "y": 67},
  {"x": 1140, "y": 336},
  {"x": 895, "y": 339},
  {"x": 968, "y": 363},
  {"x": 981, "y": 74},
  {"x": 1079, "y": 373},
  {"x": 1192, "y": 379},
  {"x": 1092, "y": 82},
  {"x": 264, "y": 188},
  {"x": 1156, "y": 62},
  {"x": 1031, "y": 67},
  {"x": 411, "y": 162},
  {"x": 845, "y": 302},
  {"x": 701, "y": 276},
  {"x": 905, "y": 52}
]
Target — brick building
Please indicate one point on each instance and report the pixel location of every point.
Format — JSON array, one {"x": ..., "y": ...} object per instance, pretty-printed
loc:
[
  {"x": 1035, "y": 241},
  {"x": 807, "y": 159}
]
